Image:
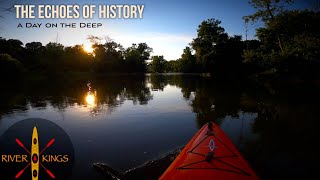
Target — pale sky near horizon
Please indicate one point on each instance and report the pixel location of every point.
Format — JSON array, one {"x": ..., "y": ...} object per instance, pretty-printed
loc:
[{"x": 167, "y": 26}]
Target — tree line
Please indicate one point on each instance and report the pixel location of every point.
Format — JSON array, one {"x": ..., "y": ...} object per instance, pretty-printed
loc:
[
  {"x": 54, "y": 58},
  {"x": 287, "y": 46}
]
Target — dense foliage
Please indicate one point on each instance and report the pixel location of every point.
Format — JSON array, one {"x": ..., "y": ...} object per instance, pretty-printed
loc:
[
  {"x": 289, "y": 41},
  {"x": 10, "y": 68},
  {"x": 54, "y": 58}
]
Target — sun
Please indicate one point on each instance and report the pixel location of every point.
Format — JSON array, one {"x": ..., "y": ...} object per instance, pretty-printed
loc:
[{"x": 87, "y": 47}]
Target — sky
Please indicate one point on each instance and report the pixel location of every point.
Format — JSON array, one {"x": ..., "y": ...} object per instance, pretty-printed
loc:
[{"x": 168, "y": 26}]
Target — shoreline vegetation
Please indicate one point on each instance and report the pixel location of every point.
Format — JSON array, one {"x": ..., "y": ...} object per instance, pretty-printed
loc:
[{"x": 286, "y": 49}]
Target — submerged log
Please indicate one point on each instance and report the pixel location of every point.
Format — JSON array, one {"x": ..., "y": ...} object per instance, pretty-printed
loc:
[{"x": 149, "y": 170}]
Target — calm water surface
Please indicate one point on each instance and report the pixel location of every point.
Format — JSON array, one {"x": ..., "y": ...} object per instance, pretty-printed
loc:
[{"x": 128, "y": 120}]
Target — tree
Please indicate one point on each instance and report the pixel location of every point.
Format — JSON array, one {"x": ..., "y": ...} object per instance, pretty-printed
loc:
[
  {"x": 54, "y": 54},
  {"x": 77, "y": 59},
  {"x": 300, "y": 35},
  {"x": 218, "y": 53},
  {"x": 299, "y": 58},
  {"x": 10, "y": 68},
  {"x": 299, "y": 31},
  {"x": 266, "y": 11},
  {"x": 187, "y": 62},
  {"x": 34, "y": 56},
  {"x": 6, "y": 7},
  {"x": 157, "y": 64},
  {"x": 135, "y": 57},
  {"x": 34, "y": 46},
  {"x": 210, "y": 35},
  {"x": 108, "y": 57},
  {"x": 171, "y": 66},
  {"x": 13, "y": 47}
]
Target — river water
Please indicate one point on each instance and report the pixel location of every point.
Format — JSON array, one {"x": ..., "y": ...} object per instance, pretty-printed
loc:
[{"x": 124, "y": 121}]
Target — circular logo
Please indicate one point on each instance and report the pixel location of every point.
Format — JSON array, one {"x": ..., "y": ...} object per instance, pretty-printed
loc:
[{"x": 36, "y": 149}]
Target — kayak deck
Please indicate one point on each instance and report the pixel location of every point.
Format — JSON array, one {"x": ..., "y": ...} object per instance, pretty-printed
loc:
[{"x": 210, "y": 154}]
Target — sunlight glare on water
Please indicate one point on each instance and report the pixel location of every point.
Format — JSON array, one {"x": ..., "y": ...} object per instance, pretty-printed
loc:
[{"x": 90, "y": 99}]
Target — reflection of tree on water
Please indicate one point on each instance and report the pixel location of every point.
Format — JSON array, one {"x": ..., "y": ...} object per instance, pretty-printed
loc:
[
  {"x": 187, "y": 83},
  {"x": 157, "y": 82},
  {"x": 286, "y": 144},
  {"x": 109, "y": 93},
  {"x": 12, "y": 100},
  {"x": 210, "y": 100},
  {"x": 286, "y": 124}
]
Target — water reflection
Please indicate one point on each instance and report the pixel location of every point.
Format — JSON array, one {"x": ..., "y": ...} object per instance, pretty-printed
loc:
[
  {"x": 157, "y": 113},
  {"x": 90, "y": 99}
]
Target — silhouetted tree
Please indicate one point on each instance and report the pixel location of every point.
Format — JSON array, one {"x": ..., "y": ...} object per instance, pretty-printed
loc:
[
  {"x": 218, "y": 53},
  {"x": 266, "y": 11},
  {"x": 54, "y": 58},
  {"x": 300, "y": 36},
  {"x": 157, "y": 64},
  {"x": 187, "y": 62},
  {"x": 13, "y": 47},
  {"x": 136, "y": 56},
  {"x": 34, "y": 56},
  {"x": 210, "y": 35},
  {"x": 77, "y": 59},
  {"x": 108, "y": 57},
  {"x": 10, "y": 68}
]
